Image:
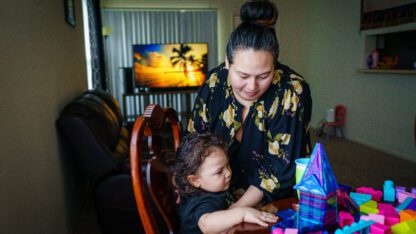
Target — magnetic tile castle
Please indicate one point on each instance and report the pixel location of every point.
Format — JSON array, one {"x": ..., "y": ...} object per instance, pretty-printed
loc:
[{"x": 318, "y": 207}]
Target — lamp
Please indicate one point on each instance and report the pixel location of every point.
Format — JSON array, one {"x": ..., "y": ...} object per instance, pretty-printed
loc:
[{"x": 106, "y": 31}]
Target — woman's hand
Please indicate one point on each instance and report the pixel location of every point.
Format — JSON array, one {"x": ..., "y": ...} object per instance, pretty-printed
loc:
[{"x": 252, "y": 215}]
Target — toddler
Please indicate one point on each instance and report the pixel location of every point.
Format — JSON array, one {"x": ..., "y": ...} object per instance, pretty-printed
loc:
[{"x": 202, "y": 175}]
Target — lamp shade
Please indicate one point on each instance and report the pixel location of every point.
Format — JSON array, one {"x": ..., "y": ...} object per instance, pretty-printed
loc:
[{"x": 106, "y": 31}]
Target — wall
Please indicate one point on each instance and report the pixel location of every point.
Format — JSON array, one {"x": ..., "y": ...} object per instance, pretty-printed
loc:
[
  {"x": 321, "y": 40},
  {"x": 42, "y": 67}
]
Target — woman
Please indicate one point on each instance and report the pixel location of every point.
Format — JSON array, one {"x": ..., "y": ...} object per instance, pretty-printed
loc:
[{"x": 259, "y": 106}]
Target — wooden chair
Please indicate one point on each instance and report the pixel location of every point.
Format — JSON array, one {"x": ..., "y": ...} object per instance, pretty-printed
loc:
[{"x": 158, "y": 190}]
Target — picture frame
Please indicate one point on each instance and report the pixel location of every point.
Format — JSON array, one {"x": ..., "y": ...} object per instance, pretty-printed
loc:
[{"x": 70, "y": 12}]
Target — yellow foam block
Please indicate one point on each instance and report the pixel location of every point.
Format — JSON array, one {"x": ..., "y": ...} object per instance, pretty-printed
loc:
[
  {"x": 408, "y": 227},
  {"x": 369, "y": 207}
]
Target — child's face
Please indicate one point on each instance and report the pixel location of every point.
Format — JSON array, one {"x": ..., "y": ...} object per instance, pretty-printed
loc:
[{"x": 214, "y": 174}]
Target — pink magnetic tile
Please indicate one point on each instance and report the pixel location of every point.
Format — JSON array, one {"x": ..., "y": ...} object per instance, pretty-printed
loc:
[{"x": 291, "y": 231}]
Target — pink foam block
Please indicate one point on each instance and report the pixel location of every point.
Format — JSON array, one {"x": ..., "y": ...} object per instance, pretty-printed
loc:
[
  {"x": 364, "y": 217},
  {"x": 378, "y": 228},
  {"x": 376, "y": 195},
  {"x": 345, "y": 218},
  {"x": 385, "y": 207},
  {"x": 388, "y": 213},
  {"x": 377, "y": 217},
  {"x": 291, "y": 231},
  {"x": 392, "y": 220},
  {"x": 401, "y": 196}
]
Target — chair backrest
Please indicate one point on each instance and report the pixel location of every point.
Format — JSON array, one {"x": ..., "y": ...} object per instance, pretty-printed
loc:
[
  {"x": 340, "y": 112},
  {"x": 151, "y": 126}
]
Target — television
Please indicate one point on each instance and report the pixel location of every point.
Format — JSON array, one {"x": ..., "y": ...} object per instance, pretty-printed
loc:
[{"x": 170, "y": 66}]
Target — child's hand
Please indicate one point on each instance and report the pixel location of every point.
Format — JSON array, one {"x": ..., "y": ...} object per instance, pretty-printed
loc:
[{"x": 252, "y": 215}]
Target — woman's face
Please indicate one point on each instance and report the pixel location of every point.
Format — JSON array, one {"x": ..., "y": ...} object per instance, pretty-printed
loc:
[{"x": 250, "y": 74}]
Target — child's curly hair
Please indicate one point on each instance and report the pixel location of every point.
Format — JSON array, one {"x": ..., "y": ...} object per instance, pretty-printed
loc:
[{"x": 191, "y": 153}]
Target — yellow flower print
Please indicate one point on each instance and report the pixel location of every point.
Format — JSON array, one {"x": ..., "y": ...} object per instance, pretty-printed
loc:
[
  {"x": 274, "y": 147},
  {"x": 232, "y": 133},
  {"x": 228, "y": 116},
  {"x": 259, "y": 118},
  {"x": 270, "y": 184},
  {"x": 203, "y": 113},
  {"x": 260, "y": 110},
  {"x": 294, "y": 76},
  {"x": 273, "y": 108},
  {"x": 285, "y": 139},
  {"x": 277, "y": 76},
  {"x": 191, "y": 126},
  {"x": 212, "y": 80},
  {"x": 294, "y": 101},
  {"x": 260, "y": 126},
  {"x": 287, "y": 99},
  {"x": 297, "y": 86}
]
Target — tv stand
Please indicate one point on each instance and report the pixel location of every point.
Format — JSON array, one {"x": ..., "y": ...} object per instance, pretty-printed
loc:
[{"x": 180, "y": 100}]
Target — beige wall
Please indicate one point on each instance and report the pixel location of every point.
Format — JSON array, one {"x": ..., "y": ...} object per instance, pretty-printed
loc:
[
  {"x": 42, "y": 67},
  {"x": 322, "y": 41}
]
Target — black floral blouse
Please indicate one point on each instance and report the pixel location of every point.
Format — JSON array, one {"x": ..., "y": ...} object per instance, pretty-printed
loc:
[{"x": 275, "y": 131}]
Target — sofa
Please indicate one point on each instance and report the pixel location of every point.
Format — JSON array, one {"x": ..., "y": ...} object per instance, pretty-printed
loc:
[{"x": 91, "y": 131}]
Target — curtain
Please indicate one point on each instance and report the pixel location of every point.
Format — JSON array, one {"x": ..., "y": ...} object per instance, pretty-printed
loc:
[
  {"x": 142, "y": 26},
  {"x": 98, "y": 75}
]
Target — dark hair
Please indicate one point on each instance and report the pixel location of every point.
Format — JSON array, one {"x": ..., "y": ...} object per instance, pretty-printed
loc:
[
  {"x": 191, "y": 153},
  {"x": 256, "y": 30}
]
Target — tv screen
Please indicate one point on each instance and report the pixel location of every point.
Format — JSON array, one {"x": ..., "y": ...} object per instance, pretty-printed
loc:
[{"x": 170, "y": 66}]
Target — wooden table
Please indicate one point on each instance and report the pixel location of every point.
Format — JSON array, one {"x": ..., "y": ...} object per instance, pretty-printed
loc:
[{"x": 254, "y": 228}]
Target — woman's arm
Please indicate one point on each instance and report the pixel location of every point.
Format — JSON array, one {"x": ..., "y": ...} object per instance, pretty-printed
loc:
[
  {"x": 251, "y": 198},
  {"x": 223, "y": 220}
]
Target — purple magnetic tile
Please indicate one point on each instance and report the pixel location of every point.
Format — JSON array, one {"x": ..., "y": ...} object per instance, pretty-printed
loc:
[
  {"x": 412, "y": 205},
  {"x": 414, "y": 191},
  {"x": 399, "y": 188}
]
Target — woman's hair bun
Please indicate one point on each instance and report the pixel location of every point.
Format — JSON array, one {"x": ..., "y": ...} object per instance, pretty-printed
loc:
[{"x": 261, "y": 12}]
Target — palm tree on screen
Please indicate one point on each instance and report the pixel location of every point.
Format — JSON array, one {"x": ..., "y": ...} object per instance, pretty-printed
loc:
[{"x": 181, "y": 58}]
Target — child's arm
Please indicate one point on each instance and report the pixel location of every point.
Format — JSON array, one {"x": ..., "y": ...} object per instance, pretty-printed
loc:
[
  {"x": 250, "y": 198},
  {"x": 220, "y": 221}
]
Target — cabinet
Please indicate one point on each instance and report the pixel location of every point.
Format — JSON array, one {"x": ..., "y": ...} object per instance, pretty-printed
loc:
[
  {"x": 397, "y": 44},
  {"x": 180, "y": 100}
]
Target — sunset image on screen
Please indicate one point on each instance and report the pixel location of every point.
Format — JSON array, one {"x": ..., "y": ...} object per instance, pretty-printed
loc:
[{"x": 170, "y": 65}]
